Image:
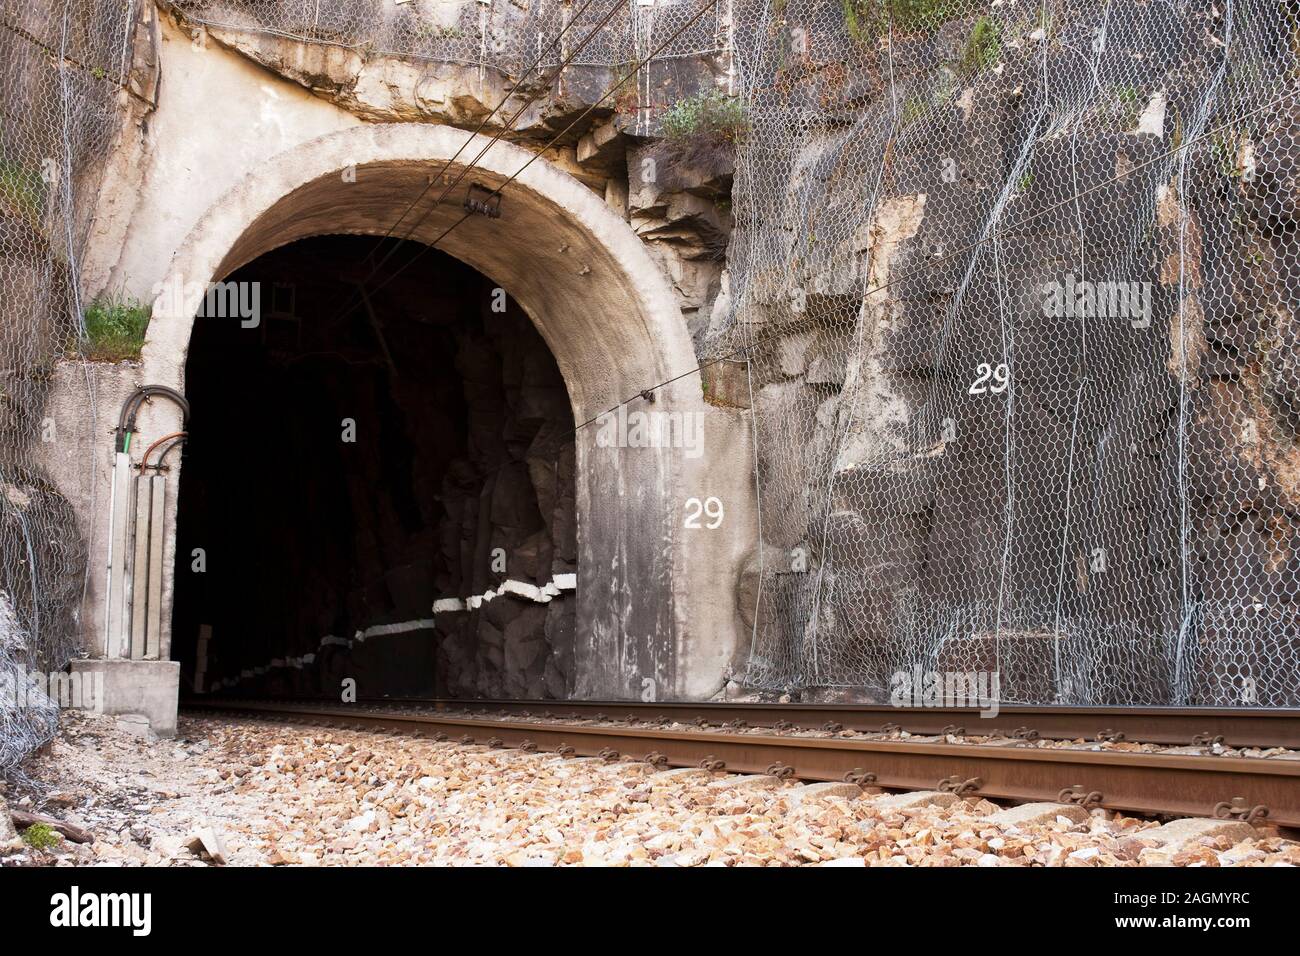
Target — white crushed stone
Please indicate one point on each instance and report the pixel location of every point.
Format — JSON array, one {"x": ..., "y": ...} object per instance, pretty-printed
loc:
[{"x": 275, "y": 794}]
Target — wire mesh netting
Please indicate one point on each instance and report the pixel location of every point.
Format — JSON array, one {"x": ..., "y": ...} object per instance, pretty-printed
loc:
[
  {"x": 505, "y": 36},
  {"x": 1018, "y": 285},
  {"x": 62, "y": 68}
]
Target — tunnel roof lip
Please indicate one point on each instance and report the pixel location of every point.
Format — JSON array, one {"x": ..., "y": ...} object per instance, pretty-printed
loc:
[{"x": 645, "y": 347}]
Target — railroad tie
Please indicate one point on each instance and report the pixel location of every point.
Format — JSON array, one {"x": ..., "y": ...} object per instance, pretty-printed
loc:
[
  {"x": 815, "y": 792},
  {"x": 1177, "y": 834},
  {"x": 1038, "y": 814},
  {"x": 917, "y": 798}
]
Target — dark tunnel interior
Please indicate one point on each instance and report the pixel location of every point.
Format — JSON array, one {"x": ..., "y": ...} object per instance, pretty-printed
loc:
[{"x": 354, "y": 458}]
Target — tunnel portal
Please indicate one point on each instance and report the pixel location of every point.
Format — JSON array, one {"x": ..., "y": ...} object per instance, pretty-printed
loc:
[{"x": 378, "y": 487}]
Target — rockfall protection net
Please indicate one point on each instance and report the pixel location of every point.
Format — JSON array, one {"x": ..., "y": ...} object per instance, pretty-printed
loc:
[
  {"x": 61, "y": 65},
  {"x": 1018, "y": 283},
  {"x": 1017, "y": 286},
  {"x": 506, "y": 36}
]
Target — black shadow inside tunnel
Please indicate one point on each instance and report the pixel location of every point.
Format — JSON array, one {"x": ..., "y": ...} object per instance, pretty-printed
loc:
[{"x": 378, "y": 488}]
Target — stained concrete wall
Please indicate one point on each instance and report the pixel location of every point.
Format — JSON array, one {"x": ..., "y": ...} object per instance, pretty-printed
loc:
[
  {"x": 218, "y": 117},
  {"x": 81, "y": 414}
]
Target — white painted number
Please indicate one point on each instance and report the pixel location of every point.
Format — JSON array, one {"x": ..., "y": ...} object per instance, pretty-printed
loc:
[
  {"x": 710, "y": 507},
  {"x": 983, "y": 372}
]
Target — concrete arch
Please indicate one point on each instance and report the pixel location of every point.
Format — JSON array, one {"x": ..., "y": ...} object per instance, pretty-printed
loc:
[
  {"x": 602, "y": 305},
  {"x": 558, "y": 249}
]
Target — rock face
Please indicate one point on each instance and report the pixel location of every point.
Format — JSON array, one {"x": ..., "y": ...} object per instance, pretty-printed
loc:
[
  {"x": 510, "y": 517},
  {"x": 9, "y": 840},
  {"x": 1025, "y": 389}
]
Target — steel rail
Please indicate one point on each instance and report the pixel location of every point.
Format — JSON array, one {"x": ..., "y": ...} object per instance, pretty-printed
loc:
[
  {"x": 1232, "y": 727},
  {"x": 1156, "y": 725},
  {"x": 1166, "y": 784}
]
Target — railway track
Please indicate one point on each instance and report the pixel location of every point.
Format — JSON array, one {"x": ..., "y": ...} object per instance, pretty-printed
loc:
[
  {"x": 851, "y": 742},
  {"x": 1156, "y": 725}
]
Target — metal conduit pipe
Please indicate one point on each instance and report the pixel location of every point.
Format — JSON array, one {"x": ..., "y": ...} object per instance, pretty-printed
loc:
[
  {"x": 168, "y": 450},
  {"x": 144, "y": 461},
  {"x": 117, "y": 639},
  {"x": 130, "y": 407}
]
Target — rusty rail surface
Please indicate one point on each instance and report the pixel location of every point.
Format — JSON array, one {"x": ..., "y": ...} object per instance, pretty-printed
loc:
[
  {"x": 1156, "y": 725},
  {"x": 1170, "y": 784},
  {"x": 1232, "y": 727}
]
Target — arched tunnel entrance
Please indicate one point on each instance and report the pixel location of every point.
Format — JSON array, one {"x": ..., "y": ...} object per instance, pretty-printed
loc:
[
  {"x": 655, "y": 615},
  {"x": 367, "y": 461}
]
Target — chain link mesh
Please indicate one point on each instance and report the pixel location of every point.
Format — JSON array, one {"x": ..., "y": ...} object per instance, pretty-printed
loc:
[
  {"x": 504, "y": 35},
  {"x": 62, "y": 66},
  {"x": 1018, "y": 285}
]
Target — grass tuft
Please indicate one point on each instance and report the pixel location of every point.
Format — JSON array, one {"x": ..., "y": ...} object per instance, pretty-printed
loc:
[
  {"x": 22, "y": 191},
  {"x": 41, "y": 836},
  {"x": 983, "y": 48},
  {"x": 115, "y": 330},
  {"x": 870, "y": 19},
  {"x": 712, "y": 115}
]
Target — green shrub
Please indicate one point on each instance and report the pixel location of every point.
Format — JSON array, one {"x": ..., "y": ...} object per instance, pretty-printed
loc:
[
  {"x": 115, "y": 330},
  {"x": 41, "y": 836},
  {"x": 22, "y": 191},
  {"x": 1121, "y": 106},
  {"x": 868, "y": 19},
  {"x": 983, "y": 48},
  {"x": 914, "y": 107},
  {"x": 712, "y": 115}
]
